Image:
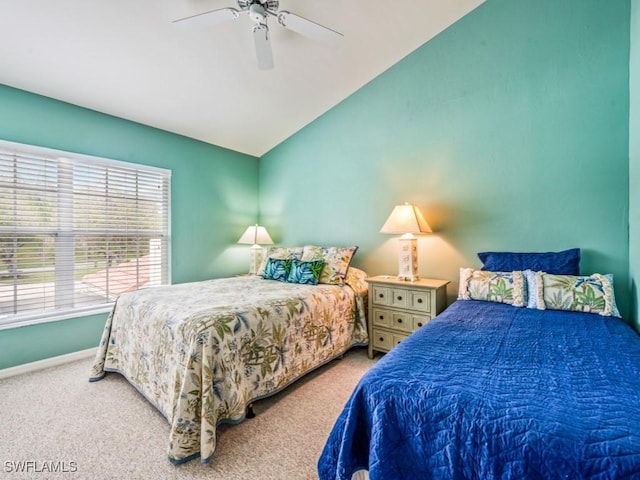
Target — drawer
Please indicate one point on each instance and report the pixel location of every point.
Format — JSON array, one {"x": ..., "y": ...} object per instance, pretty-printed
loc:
[
  {"x": 407, "y": 322},
  {"x": 403, "y": 321},
  {"x": 400, "y": 298},
  {"x": 381, "y": 295},
  {"x": 397, "y": 338},
  {"x": 382, "y": 340},
  {"x": 420, "y": 321},
  {"x": 382, "y": 317},
  {"x": 420, "y": 301}
]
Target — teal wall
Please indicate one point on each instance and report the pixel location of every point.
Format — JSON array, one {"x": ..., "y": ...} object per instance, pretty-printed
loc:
[
  {"x": 634, "y": 160},
  {"x": 214, "y": 197},
  {"x": 510, "y": 130}
]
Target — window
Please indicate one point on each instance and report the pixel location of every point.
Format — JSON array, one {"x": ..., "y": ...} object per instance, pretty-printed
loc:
[{"x": 76, "y": 232}]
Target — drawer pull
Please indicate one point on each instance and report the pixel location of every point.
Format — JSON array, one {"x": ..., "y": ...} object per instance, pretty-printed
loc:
[
  {"x": 399, "y": 320},
  {"x": 399, "y": 297},
  {"x": 419, "y": 300},
  {"x": 381, "y": 295},
  {"x": 419, "y": 324},
  {"x": 381, "y": 317},
  {"x": 382, "y": 339}
]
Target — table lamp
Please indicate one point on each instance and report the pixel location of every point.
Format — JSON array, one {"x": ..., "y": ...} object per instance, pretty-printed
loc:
[
  {"x": 255, "y": 235},
  {"x": 407, "y": 220}
]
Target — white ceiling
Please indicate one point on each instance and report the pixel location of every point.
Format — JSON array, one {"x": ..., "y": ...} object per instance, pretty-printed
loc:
[{"x": 126, "y": 58}]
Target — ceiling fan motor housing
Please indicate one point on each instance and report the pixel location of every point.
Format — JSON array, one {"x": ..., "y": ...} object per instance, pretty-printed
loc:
[{"x": 271, "y": 6}]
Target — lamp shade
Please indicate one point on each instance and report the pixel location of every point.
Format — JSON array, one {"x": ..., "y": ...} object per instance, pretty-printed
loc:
[
  {"x": 256, "y": 235},
  {"x": 405, "y": 219}
]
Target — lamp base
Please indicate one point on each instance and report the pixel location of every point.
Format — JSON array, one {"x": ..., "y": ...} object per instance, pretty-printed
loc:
[
  {"x": 408, "y": 259},
  {"x": 255, "y": 259}
]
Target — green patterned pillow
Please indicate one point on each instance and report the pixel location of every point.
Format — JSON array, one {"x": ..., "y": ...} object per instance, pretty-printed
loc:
[
  {"x": 306, "y": 273},
  {"x": 336, "y": 262},
  {"x": 500, "y": 287},
  {"x": 277, "y": 269},
  {"x": 278, "y": 252},
  {"x": 590, "y": 294}
]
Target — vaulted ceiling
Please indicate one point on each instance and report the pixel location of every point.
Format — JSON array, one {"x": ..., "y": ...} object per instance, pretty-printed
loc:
[{"x": 126, "y": 58}]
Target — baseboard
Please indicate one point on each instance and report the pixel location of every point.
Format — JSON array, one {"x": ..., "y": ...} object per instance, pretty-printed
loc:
[{"x": 47, "y": 363}]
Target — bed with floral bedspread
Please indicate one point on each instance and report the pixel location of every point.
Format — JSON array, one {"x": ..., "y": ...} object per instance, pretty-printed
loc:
[{"x": 202, "y": 352}]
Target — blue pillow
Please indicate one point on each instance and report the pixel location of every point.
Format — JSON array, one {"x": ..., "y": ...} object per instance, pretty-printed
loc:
[
  {"x": 307, "y": 273},
  {"x": 277, "y": 269},
  {"x": 566, "y": 262}
]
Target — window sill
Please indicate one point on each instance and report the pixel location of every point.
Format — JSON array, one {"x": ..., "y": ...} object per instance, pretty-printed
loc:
[{"x": 24, "y": 321}]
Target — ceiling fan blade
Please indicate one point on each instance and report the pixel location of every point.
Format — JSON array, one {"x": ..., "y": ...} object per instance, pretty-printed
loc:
[
  {"x": 308, "y": 28},
  {"x": 212, "y": 17},
  {"x": 263, "y": 46}
]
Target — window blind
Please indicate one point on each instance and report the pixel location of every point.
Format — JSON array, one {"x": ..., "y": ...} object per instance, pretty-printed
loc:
[{"x": 77, "y": 231}]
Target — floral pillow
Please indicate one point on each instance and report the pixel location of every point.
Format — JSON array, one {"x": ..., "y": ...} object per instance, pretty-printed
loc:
[
  {"x": 590, "y": 294},
  {"x": 279, "y": 252},
  {"x": 336, "y": 262},
  {"x": 307, "y": 273},
  {"x": 500, "y": 287},
  {"x": 357, "y": 279},
  {"x": 277, "y": 269}
]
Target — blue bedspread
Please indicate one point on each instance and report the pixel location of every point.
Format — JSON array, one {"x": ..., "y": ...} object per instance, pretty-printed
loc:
[{"x": 490, "y": 391}]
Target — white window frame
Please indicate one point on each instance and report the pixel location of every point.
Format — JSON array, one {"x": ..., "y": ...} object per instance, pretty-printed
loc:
[{"x": 64, "y": 232}]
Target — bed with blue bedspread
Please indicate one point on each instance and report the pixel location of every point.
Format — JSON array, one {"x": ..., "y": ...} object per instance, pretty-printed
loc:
[{"x": 488, "y": 390}]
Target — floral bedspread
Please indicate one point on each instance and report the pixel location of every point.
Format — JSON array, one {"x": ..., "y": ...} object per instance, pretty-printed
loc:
[{"x": 201, "y": 352}]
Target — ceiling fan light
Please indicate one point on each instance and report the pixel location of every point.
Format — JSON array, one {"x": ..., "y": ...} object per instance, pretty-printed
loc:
[{"x": 257, "y": 13}]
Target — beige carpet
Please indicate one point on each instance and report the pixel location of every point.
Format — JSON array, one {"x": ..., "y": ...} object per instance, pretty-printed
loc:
[{"x": 107, "y": 430}]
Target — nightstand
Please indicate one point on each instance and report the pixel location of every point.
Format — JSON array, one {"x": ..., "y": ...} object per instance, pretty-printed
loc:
[{"x": 397, "y": 308}]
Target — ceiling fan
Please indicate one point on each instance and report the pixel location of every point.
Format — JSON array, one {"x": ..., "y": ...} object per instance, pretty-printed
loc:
[{"x": 259, "y": 11}]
